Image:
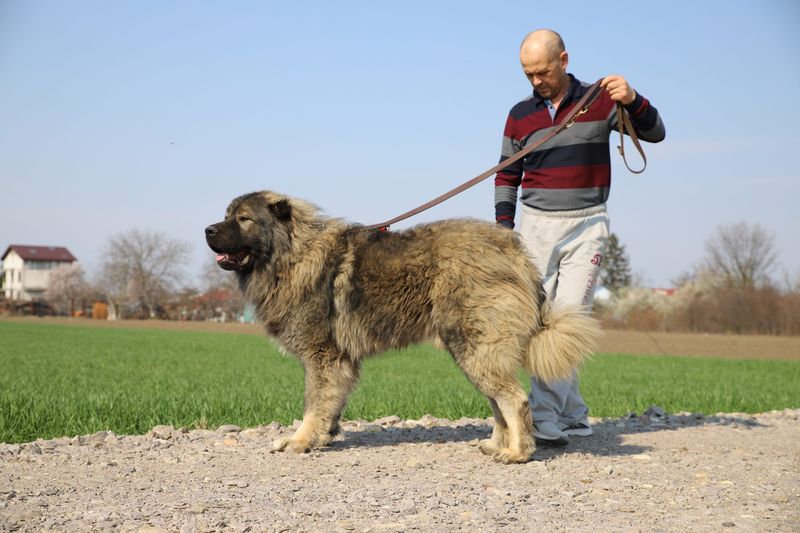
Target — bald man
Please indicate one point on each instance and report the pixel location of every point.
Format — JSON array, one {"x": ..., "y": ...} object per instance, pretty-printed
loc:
[{"x": 565, "y": 184}]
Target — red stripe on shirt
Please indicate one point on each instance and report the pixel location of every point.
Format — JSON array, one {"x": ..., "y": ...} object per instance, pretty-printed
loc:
[
  {"x": 599, "y": 110},
  {"x": 503, "y": 179},
  {"x": 641, "y": 108},
  {"x": 540, "y": 119},
  {"x": 529, "y": 123}
]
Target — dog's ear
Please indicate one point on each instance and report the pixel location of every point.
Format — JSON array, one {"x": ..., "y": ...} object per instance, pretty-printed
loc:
[{"x": 281, "y": 209}]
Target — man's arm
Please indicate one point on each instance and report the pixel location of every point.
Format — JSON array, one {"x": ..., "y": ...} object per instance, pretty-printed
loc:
[
  {"x": 507, "y": 180},
  {"x": 644, "y": 117}
]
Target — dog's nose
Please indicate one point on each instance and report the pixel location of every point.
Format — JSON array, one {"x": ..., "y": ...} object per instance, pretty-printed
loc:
[{"x": 211, "y": 231}]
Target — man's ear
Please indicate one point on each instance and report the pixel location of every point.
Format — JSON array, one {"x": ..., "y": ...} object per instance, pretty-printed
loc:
[{"x": 281, "y": 209}]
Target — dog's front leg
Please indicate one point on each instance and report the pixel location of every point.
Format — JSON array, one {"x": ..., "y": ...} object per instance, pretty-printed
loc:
[{"x": 329, "y": 379}]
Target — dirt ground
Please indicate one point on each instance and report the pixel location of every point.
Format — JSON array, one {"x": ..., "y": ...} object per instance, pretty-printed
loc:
[
  {"x": 653, "y": 472},
  {"x": 649, "y": 472}
]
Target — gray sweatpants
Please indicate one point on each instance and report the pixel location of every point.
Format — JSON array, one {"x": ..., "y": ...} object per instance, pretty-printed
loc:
[{"x": 567, "y": 248}]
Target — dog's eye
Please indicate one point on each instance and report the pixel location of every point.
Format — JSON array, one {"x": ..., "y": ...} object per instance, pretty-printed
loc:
[{"x": 241, "y": 218}]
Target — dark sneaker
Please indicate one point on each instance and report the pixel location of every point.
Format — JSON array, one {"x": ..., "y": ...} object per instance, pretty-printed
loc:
[{"x": 548, "y": 434}]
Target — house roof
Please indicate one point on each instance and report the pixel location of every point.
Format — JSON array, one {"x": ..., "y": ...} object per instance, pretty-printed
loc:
[{"x": 40, "y": 253}]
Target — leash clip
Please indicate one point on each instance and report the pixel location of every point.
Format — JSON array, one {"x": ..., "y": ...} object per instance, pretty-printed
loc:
[{"x": 582, "y": 110}]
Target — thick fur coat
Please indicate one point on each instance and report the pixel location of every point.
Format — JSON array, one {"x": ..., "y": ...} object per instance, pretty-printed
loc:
[{"x": 332, "y": 294}]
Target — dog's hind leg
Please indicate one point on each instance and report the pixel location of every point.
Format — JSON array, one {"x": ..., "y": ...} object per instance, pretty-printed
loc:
[
  {"x": 493, "y": 371},
  {"x": 499, "y": 438},
  {"x": 328, "y": 383},
  {"x": 514, "y": 405}
]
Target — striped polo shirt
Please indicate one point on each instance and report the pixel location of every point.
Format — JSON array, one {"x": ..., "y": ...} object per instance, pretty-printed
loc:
[{"x": 573, "y": 169}]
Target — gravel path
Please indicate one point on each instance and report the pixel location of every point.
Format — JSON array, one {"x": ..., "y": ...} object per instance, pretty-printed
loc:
[{"x": 654, "y": 472}]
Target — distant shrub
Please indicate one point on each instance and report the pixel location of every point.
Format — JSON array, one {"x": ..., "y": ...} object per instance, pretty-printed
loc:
[{"x": 706, "y": 303}]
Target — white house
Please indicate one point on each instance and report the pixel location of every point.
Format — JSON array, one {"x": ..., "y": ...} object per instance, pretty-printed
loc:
[{"x": 26, "y": 269}]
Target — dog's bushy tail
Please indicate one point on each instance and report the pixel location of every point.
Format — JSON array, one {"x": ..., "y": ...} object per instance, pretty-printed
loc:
[{"x": 568, "y": 336}]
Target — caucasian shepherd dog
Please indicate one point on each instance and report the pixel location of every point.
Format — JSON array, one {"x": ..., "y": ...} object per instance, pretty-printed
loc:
[{"x": 332, "y": 294}]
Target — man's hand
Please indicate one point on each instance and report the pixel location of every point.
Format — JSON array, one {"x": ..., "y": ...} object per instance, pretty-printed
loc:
[{"x": 618, "y": 89}]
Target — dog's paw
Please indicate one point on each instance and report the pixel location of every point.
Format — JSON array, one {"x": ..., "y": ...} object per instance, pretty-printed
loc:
[
  {"x": 279, "y": 445},
  {"x": 509, "y": 456},
  {"x": 488, "y": 447},
  {"x": 290, "y": 444}
]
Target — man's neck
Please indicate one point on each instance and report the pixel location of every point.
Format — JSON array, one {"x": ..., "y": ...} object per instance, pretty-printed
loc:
[{"x": 556, "y": 100}]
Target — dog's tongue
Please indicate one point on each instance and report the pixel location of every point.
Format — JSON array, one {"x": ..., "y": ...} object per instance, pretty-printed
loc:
[{"x": 221, "y": 257}]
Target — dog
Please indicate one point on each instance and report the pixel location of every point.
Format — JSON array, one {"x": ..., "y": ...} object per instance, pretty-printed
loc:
[{"x": 333, "y": 293}]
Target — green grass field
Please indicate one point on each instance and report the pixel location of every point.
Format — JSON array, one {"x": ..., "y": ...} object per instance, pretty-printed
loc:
[{"x": 60, "y": 380}]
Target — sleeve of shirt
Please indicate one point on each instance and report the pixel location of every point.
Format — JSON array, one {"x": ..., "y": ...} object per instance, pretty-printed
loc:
[
  {"x": 645, "y": 119},
  {"x": 507, "y": 181}
]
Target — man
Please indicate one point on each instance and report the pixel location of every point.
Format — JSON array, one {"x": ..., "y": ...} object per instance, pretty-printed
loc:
[{"x": 565, "y": 185}]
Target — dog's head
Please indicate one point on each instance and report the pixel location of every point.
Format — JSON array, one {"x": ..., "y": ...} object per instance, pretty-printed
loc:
[{"x": 255, "y": 225}]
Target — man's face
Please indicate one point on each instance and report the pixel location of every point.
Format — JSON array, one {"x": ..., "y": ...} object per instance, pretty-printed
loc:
[{"x": 547, "y": 75}]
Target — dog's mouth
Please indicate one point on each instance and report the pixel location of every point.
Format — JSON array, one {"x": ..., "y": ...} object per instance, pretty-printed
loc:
[{"x": 238, "y": 261}]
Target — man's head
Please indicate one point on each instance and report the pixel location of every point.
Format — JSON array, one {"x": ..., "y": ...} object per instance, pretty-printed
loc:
[{"x": 544, "y": 62}]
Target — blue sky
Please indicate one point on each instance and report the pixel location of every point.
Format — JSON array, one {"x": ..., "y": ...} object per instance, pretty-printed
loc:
[{"x": 153, "y": 115}]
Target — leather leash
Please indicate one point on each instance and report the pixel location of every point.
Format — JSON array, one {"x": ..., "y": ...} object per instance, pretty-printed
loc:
[
  {"x": 624, "y": 123},
  {"x": 580, "y": 108}
]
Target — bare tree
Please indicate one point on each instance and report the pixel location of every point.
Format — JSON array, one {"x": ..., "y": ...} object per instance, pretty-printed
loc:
[
  {"x": 790, "y": 282},
  {"x": 743, "y": 254},
  {"x": 222, "y": 291},
  {"x": 214, "y": 277},
  {"x": 142, "y": 268},
  {"x": 66, "y": 285}
]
